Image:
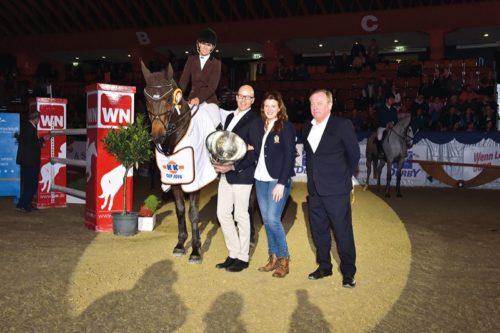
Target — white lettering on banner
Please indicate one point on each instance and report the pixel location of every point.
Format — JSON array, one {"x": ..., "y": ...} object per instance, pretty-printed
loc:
[
  {"x": 111, "y": 115},
  {"x": 51, "y": 121},
  {"x": 143, "y": 38},
  {"x": 369, "y": 23},
  {"x": 92, "y": 116}
]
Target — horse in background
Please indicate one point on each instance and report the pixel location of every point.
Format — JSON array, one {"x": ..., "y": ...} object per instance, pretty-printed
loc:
[
  {"x": 170, "y": 118},
  {"x": 395, "y": 144}
]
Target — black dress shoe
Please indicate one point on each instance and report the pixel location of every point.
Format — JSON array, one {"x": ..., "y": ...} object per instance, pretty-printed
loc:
[
  {"x": 348, "y": 282},
  {"x": 228, "y": 262},
  {"x": 319, "y": 274},
  {"x": 237, "y": 266}
]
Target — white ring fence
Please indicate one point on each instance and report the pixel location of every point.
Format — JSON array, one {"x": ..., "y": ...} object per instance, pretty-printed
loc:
[{"x": 78, "y": 163}]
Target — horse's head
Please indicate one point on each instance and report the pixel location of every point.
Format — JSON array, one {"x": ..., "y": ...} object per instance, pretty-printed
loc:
[
  {"x": 164, "y": 103},
  {"x": 409, "y": 136}
]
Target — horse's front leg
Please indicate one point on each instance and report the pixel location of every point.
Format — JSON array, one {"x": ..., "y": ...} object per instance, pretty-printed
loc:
[
  {"x": 398, "y": 178},
  {"x": 388, "y": 180},
  {"x": 194, "y": 217},
  {"x": 379, "y": 172},
  {"x": 368, "y": 172},
  {"x": 181, "y": 221}
]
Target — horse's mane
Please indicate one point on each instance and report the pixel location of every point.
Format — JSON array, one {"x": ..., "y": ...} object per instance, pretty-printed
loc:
[{"x": 402, "y": 123}]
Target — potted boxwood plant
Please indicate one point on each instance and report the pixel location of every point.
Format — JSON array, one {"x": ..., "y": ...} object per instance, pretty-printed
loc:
[
  {"x": 130, "y": 146},
  {"x": 147, "y": 216}
]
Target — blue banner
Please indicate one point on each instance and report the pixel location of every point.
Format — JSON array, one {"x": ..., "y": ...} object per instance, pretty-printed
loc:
[{"x": 9, "y": 170}]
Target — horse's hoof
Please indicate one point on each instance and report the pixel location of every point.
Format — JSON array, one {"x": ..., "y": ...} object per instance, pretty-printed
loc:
[
  {"x": 178, "y": 252},
  {"x": 365, "y": 187},
  {"x": 195, "y": 259}
]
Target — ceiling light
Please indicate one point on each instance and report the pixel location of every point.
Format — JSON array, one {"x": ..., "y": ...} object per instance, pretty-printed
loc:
[
  {"x": 104, "y": 57},
  {"x": 217, "y": 51},
  {"x": 75, "y": 64},
  {"x": 396, "y": 41},
  {"x": 77, "y": 58},
  {"x": 128, "y": 55},
  {"x": 248, "y": 49},
  {"x": 187, "y": 52},
  {"x": 320, "y": 45},
  {"x": 486, "y": 35}
]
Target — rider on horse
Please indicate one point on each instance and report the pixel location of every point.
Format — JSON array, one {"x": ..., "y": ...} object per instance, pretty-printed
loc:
[
  {"x": 387, "y": 118},
  {"x": 203, "y": 70}
]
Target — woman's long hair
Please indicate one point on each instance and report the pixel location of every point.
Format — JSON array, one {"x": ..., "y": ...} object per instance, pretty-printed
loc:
[{"x": 282, "y": 115}]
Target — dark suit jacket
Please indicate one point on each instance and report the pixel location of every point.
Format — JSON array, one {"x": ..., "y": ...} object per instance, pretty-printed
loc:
[
  {"x": 279, "y": 153},
  {"x": 203, "y": 82},
  {"x": 30, "y": 145},
  {"x": 386, "y": 115},
  {"x": 250, "y": 129},
  {"x": 330, "y": 168}
]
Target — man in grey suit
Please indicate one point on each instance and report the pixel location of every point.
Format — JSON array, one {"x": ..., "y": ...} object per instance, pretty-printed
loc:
[{"x": 332, "y": 156}]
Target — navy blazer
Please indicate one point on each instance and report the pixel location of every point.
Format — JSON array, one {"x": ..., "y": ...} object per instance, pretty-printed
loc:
[
  {"x": 386, "y": 115},
  {"x": 250, "y": 129},
  {"x": 279, "y": 153},
  {"x": 330, "y": 168}
]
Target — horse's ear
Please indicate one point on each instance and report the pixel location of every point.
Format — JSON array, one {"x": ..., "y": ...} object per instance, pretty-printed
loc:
[
  {"x": 145, "y": 71},
  {"x": 170, "y": 71}
]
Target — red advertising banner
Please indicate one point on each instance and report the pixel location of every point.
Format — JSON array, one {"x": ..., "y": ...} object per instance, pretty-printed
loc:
[
  {"x": 108, "y": 106},
  {"x": 52, "y": 117}
]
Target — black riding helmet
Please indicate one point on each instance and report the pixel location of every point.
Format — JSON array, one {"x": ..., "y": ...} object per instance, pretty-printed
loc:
[{"x": 207, "y": 36}]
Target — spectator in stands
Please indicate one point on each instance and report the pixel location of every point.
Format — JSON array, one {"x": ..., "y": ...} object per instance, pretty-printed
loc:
[
  {"x": 426, "y": 88},
  {"x": 358, "y": 47},
  {"x": 451, "y": 120},
  {"x": 420, "y": 122},
  {"x": 369, "y": 90},
  {"x": 370, "y": 122},
  {"x": 421, "y": 103},
  {"x": 332, "y": 63},
  {"x": 470, "y": 120},
  {"x": 356, "y": 119},
  {"x": 488, "y": 115},
  {"x": 487, "y": 84},
  {"x": 301, "y": 72},
  {"x": 467, "y": 94},
  {"x": 372, "y": 54},
  {"x": 358, "y": 63},
  {"x": 397, "y": 97}
]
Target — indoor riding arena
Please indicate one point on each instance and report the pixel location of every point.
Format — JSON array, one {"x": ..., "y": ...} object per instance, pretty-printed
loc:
[
  {"x": 200, "y": 100},
  {"x": 426, "y": 262}
]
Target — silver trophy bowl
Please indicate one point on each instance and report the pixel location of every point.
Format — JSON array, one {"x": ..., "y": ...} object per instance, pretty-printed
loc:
[{"x": 225, "y": 147}]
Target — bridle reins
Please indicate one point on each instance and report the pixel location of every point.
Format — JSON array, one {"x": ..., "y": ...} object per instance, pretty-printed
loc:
[
  {"x": 403, "y": 137},
  {"x": 171, "y": 127}
]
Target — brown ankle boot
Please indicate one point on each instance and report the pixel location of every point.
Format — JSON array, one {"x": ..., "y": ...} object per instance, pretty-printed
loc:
[
  {"x": 271, "y": 264},
  {"x": 282, "y": 268}
]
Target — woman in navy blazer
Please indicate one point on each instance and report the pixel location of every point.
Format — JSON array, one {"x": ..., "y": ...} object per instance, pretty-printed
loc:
[{"x": 273, "y": 173}]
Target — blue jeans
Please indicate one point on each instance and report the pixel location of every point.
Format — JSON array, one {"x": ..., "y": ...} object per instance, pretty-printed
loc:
[{"x": 271, "y": 214}]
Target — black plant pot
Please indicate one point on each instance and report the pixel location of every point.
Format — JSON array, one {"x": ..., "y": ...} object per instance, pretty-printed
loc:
[{"x": 125, "y": 225}]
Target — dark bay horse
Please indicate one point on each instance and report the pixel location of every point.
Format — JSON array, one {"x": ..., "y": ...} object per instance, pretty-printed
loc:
[
  {"x": 168, "y": 127},
  {"x": 396, "y": 143}
]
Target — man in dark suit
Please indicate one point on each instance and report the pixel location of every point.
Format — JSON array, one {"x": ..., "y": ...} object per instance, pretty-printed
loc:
[
  {"x": 28, "y": 157},
  {"x": 332, "y": 156},
  {"x": 236, "y": 182},
  {"x": 203, "y": 71}
]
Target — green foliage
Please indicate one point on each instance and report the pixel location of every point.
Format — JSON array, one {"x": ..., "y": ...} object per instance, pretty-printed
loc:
[
  {"x": 130, "y": 145},
  {"x": 152, "y": 202}
]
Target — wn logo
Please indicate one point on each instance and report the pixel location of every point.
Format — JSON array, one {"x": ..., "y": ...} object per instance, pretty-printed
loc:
[{"x": 51, "y": 121}]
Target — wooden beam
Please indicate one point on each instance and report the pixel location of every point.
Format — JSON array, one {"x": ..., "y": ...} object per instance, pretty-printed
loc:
[
  {"x": 110, "y": 10},
  {"x": 13, "y": 19},
  {"x": 39, "y": 27},
  {"x": 339, "y": 5},
  {"x": 269, "y": 9},
  {"x": 87, "y": 17},
  {"x": 202, "y": 11},
  {"x": 60, "y": 18},
  {"x": 235, "y": 10},
  {"x": 139, "y": 8},
  {"x": 35, "y": 5},
  {"x": 321, "y": 6},
  {"x": 252, "y": 11},
  {"x": 304, "y": 8},
  {"x": 103, "y": 20},
  {"x": 219, "y": 12},
  {"x": 71, "y": 14},
  {"x": 187, "y": 11},
  {"x": 156, "y": 11},
  {"x": 171, "y": 11}
]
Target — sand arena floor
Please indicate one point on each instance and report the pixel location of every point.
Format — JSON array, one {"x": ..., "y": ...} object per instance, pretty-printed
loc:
[{"x": 426, "y": 262}]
